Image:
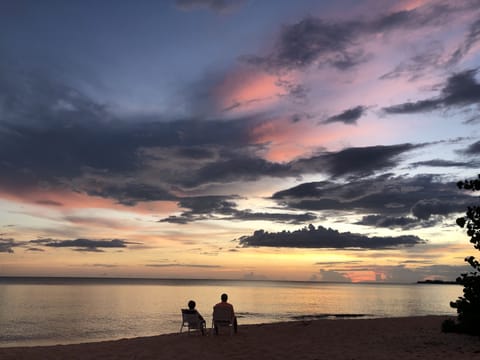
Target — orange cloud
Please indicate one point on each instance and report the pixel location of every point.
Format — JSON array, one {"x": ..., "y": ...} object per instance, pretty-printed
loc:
[
  {"x": 362, "y": 276},
  {"x": 64, "y": 200}
]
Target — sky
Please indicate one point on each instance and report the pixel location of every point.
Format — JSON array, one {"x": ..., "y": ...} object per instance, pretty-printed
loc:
[{"x": 280, "y": 140}]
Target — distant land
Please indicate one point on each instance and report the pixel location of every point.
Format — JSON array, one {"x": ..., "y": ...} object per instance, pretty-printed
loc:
[{"x": 436, "y": 282}]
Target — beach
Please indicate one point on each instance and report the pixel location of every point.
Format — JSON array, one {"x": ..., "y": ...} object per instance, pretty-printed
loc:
[{"x": 384, "y": 338}]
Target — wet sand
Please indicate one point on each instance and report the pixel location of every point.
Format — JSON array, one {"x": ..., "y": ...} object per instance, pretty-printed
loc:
[{"x": 387, "y": 338}]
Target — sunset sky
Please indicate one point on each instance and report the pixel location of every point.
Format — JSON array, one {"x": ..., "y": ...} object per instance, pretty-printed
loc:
[{"x": 255, "y": 139}]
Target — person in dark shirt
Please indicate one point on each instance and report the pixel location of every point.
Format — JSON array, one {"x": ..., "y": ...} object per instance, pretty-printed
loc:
[{"x": 192, "y": 310}]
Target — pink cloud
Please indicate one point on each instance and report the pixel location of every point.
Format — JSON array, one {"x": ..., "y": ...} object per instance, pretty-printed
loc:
[
  {"x": 287, "y": 140},
  {"x": 247, "y": 89}
]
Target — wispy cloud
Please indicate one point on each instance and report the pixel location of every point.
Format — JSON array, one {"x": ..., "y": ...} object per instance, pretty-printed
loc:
[
  {"x": 348, "y": 117},
  {"x": 215, "y": 5},
  {"x": 84, "y": 244},
  {"x": 461, "y": 89},
  {"x": 315, "y": 41}
]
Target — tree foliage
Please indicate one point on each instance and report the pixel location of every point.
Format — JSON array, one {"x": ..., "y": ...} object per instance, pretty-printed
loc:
[{"x": 468, "y": 305}]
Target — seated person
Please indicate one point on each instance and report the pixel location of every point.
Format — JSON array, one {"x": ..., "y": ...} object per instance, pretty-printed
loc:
[
  {"x": 224, "y": 303},
  {"x": 192, "y": 310}
]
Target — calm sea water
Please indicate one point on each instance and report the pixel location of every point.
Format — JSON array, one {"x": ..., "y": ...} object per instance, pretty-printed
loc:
[{"x": 60, "y": 311}]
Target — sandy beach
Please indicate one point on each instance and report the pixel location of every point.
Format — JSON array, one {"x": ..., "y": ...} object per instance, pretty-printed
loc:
[{"x": 387, "y": 338}]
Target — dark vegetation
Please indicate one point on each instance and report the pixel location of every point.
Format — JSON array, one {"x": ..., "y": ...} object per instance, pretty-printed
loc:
[{"x": 468, "y": 305}]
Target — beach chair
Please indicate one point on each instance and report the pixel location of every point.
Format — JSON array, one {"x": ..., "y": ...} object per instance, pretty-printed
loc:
[
  {"x": 192, "y": 321},
  {"x": 222, "y": 317}
]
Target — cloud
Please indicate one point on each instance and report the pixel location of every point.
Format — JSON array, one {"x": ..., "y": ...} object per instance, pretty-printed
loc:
[
  {"x": 404, "y": 274},
  {"x": 348, "y": 117},
  {"x": 472, "y": 149},
  {"x": 471, "y": 39},
  {"x": 442, "y": 163},
  {"x": 408, "y": 271},
  {"x": 48, "y": 202},
  {"x": 425, "y": 208},
  {"x": 381, "y": 221},
  {"x": 426, "y": 58},
  {"x": 308, "y": 41},
  {"x": 461, "y": 89},
  {"x": 105, "y": 265},
  {"x": 130, "y": 194},
  {"x": 7, "y": 245},
  {"x": 322, "y": 238},
  {"x": 168, "y": 265},
  {"x": 384, "y": 199},
  {"x": 84, "y": 244},
  {"x": 358, "y": 161},
  {"x": 235, "y": 167},
  {"x": 215, "y": 5},
  {"x": 221, "y": 208},
  {"x": 333, "y": 276},
  {"x": 314, "y": 41},
  {"x": 87, "y": 149},
  {"x": 144, "y": 159}
]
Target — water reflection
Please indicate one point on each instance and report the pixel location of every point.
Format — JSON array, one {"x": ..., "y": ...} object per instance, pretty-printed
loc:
[{"x": 74, "y": 312}]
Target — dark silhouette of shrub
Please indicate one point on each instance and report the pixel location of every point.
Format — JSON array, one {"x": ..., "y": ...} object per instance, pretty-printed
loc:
[{"x": 468, "y": 305}]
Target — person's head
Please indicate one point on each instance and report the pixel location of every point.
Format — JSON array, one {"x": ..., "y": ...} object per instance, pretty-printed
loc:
[
  {"x": 191, "y": 304},
  {"x": 224, "y": 297}
]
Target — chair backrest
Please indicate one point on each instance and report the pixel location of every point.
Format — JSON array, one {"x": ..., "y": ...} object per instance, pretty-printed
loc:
[
  {"x": 222, "y": 313},
  {"x": 191, "y": 317}
]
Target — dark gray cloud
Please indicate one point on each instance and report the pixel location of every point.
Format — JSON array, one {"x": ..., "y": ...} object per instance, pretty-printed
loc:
[
  {"x": 425, "y": 208},
  {"x": 248, "y": 215},
  {"x": 322, "y": 238},
  {"x": 335, "y": 43},
  {"x": 235, "y": 167},
  {"x": 222, "y": 208},
  {"x": 53, "y": 135},
  {"x": 362, "y": 161},
  {"x": 216, "y": 165},
  {"x": 84, "y": 244},
  {"x": 34, "y": 249},
  {"x": 241, "y": 164},
  {"x": 390, "y": 222},
  {"x": 203, "y": 208},
  {"x": 130, "y": 193},
  {"x": 442, "y": 163},
  {"x": 308, "y": 41},
  {"x": 7, "y": 245},
  {"x": 390, "y": 200},
  {"x": 167, "y": 265},
  {"x": 461, "y": 89},
  {"x": 348, "y": 117},
  {"x": 215, "y": 5},
  {"x": 472, "y": 149}
]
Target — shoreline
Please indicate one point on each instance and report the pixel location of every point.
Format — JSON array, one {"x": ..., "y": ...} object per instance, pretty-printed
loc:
[{"x": 379, "y": 338}]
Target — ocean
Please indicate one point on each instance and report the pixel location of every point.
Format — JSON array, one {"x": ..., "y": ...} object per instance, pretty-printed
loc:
[{"x": 47, "y": 311}]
